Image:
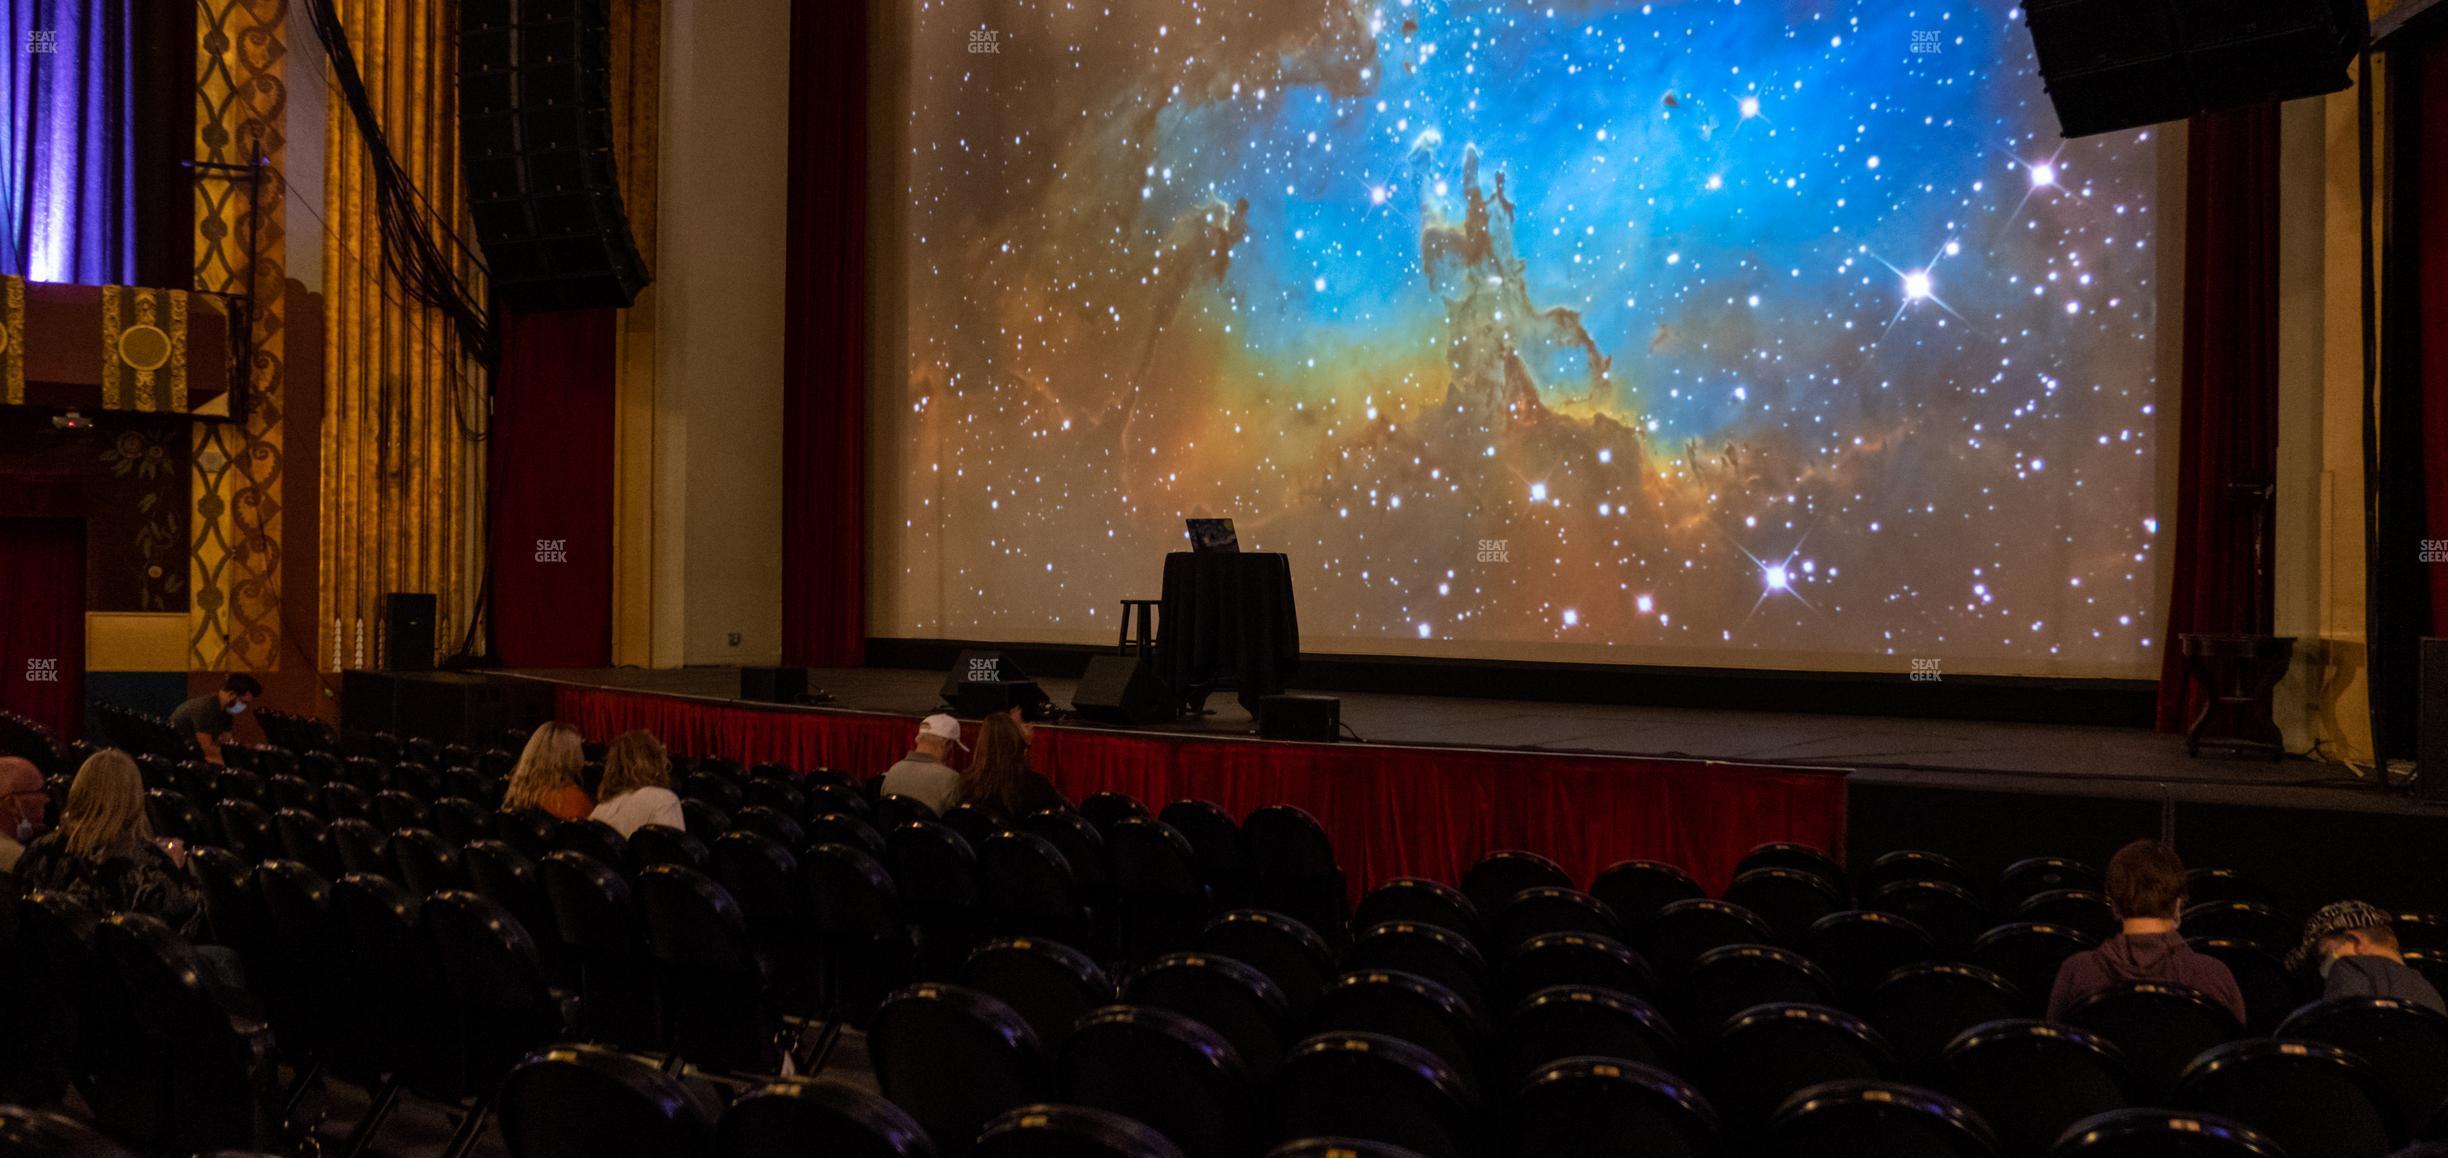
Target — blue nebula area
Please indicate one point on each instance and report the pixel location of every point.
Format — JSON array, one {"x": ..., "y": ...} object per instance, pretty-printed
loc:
[{"x": 1748, "y": 333}]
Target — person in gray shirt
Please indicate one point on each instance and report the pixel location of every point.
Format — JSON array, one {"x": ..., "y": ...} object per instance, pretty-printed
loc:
[
  {"x": 2354, "y": 945},
  {"x": 209, "y": 718},
  {"x": 922, "y": 775}
]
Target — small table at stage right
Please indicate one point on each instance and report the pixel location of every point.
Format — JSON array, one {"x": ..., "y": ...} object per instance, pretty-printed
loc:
[{"x": 1228, "y": 624}]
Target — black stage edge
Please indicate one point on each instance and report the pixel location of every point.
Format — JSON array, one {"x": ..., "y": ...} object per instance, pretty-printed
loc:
[{"x": 2006, "y": 699}]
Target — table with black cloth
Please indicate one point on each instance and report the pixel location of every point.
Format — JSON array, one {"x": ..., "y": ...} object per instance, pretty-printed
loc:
[{"x": 1228, "y": 622}]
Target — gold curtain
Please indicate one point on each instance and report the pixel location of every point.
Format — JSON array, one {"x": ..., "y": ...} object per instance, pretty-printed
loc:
[
  {"x": 637, "y": 60},
  {"x": 234, "y": 565},
  {"x": 403, "y": 476}
]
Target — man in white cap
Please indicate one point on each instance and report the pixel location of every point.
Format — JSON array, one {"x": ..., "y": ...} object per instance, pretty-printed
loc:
[{"x": 922, "y": 775}]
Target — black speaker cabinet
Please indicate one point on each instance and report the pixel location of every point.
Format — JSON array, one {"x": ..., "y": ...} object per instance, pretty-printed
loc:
[
  {"x": 408, "y": 631},
  {"x": 2431, "y": 737},
  {"x": 1121, "y": 689},
  {"x": 1286, "y": 717},
  {"x": 535, "y": 147},
  {"x": 774, "y": 685},
  {"x": 2122, "y": 64}
]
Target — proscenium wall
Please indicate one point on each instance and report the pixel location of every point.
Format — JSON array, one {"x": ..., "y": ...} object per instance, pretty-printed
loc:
[{"x": 718, "y": 279}]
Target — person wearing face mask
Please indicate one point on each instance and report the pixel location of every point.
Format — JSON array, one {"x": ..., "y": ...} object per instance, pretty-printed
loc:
[
  {"x": 2354, "y": 946},
  {"x": 21, "y": 808},
  {"x": 212, "y": 716}
]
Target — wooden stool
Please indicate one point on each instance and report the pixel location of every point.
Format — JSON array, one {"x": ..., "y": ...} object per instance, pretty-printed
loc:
[{"x": 1147, "y": 627}]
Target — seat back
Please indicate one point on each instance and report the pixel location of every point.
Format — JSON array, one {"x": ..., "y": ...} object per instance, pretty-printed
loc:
[
  {"x": 1638, "y": 890},
  {"x": 1293, "y": 956},
  {"x": 32, "y": 1133},
  {"x": 1080, "y": 843},
  {"x": 1876, "y": 1117},
  {"x": 1683, "y": 930},
  {"x": 1028, "y": 889},
  {"x": 1374, "y": 1088},
  {"x": 1050, "y": 985},
  {"x": 843, "y": 828},
  {"x": 1858, "y": 948},
  {"x": 2028, "y": 955},
  {"x": 495, "y": 1001},
  {"x": 461, "y": 819},
  {"x": 1420, "y": 901},
  {"x": 594, "y": 838},
  {"x": 395, "y": 809},
  {"x": 1577, "y": 959},
  {"x": 1544, "y": 909},
  {"x": 1803, "y": 858},
  {"x": 1636, "y": 1109},
  {"x": 713, "y": 983},
  {"x": 1493, "y": 879},
  {"x": 1073, "y": 1131},
  {"x": 1438, "y": 954},
  {"x": 1107, "y": 809},
  {"x": 1790, "y": 900},
  {"x": 596, "y": 919},
  {"x": 859, "y": 924},
  {"x": 1576, "y": 1021},
  {"x": 772, "y": 823},
  {"x": 387, "y": 991},
  {"x": 2161, "y": 1027},
  {"x": 2033, "y": 876},
  {"x": 1920, "y": 1008},
  {"x": 954, "y": 1058},
  {"x": 2153, "y": 1133},
  {"x": 656, "y": 844},
  {"x": 581, "y": 1099},
  {"x": 2406, "y": 1043},
  {"x": 1216, "y": 847},
  {"x": 303, "y": 837},
  {"x": 1234, "y": 999},
  {"x": 2313, "y": 1099},
  {"x": 192, "y": 1068},
  {"x": 1734, "y": 978},
  {"x": 1953, "y": 915},
  {"x": 2032, "y": 1080},
  {"x": 1769, "y": 1053},
  {"x": 1158, "y": 1067},
  {"x": 427, "y": 863},
  {"x": 763, "y": 877},
  {"x": 1292, "y": 869},
  {"x": 1160, "y": 900},
  {"x": 361, "y": 848},
  {"x": 248, "y": 829},
  {"x": 790, "y": 1117},
  {"x": 1409, "y": 1008}
]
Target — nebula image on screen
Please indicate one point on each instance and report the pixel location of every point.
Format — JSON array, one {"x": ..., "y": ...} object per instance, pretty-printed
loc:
[{"x": 1770, "y": 333}]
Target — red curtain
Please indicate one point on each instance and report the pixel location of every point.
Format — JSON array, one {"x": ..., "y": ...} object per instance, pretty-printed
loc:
[
  {"x": 824, "y": 351},
  {"x": 2227, "y": 408},
  {"x": 42, "y": 622},
  {"x": 551, "y": 489},
  {"x": 1391, "y": 810},
  {"x": 2429, "y": 155}
]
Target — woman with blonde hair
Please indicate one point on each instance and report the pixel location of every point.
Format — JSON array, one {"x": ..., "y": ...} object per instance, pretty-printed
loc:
[
  {"x": 104, "y": 853},
  {"x": 546, "y": 777},
  {"x": 637, "y": 786},
  {"x": 998, "y": 778}
]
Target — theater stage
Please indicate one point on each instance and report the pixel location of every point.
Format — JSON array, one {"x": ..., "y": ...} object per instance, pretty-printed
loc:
[{"x": 1985, "y": 792}]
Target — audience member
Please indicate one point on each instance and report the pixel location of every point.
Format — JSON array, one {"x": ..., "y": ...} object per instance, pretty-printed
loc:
[
  {"x": 211, "y": 717},
  {"x": 999, "y": 779},
  {"x": 2354, "y": 946},
  {"x": 637, "y": 786},
  {"x": 547, "y": 774},
  {"x": 922, "y": 775},
  {"x": 22, "y": 805},
  {"x": 2146, "y": 884},
  {"x": 104, "y": 853}
]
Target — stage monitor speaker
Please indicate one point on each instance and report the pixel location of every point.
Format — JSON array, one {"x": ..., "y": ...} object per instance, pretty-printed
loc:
[
  {"x": 774, "y": 685},
  {"x": 408, "y": 631},
  {"x": 1314, "y": 718},
  {"x": 2431, "y": 737},
  {"x": 2122, "y": 64},
  {"x": 535, "y": 148},
  {"x": 1121, "y": 689},
  {"x": 983, "y": 682}
]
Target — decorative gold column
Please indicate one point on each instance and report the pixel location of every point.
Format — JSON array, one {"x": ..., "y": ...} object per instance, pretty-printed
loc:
[
  {"x": 404, "y": 407},
  {"x": 637, "y": 59},
  {"x": 233, "y": 617}
]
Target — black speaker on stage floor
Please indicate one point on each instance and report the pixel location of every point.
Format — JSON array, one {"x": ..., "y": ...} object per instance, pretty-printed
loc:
[
  {"x": 1121, "y": 689},
  {"x": 408, "y": 631},
  {"x": 2121, "y": 64},
  {"x": 535, "y": 146},
  {"x": 2431, "y": 735},
  {"x": 774, "y": 685},
  {"x": 1316, "y": 718}
]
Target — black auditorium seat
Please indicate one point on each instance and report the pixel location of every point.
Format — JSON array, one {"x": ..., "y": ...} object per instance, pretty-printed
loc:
[
  {"x": 656, "y": 844},
  {"x": 1409, "y": 1008},
  {"x": 1293, "y": 871},
  {"x": 2032, "y": 876},
  {"x": 1422, "y": 901},
  {"x": 604, "y": 936},
  {"x": 1728, "y": 980},
  {"x": 2153, "y": 1133},
  {"x": 2160, "y": 1027},
  {"x": 1785, "y": 854},
  {"x": 1235, "y": 1000},
  {"x": 791, "y": 1117},
  {"x": 1683, "y": 930},
  {"x": 2032, "y": 1080},
  {"x": 1378, "y": 1089},
  {"x": 1610, "y": 1108},
  {"x": 1875, "y": 1119},
  {"x": 1769, "y": 1053},
  {"x": 1050, "y": 985},
  {"x": 1431, "y": 951},
  {"x": 2028, "y": 955},
  {"x": 1216, "y": 846},
  {"x": 1160, "y": 902},
  {"x": 583, "y": 1099},
  {"x": 1920, "y": 1008},
  {"x": 1161, "y": 1068},
  {"x": 861, "y": 928},
  {"x": 1858, "y": 949},
  {"x": 954, "y": 1058},
  {"x": 1790, "y": 900},
  {"x": 1575, "y": 959},
  {"x": 1061, "y": 1131},
  {"x": 1576, "y": 1021},
  {"x": 2407, "y": 1045},
  {"x": 1492, "y": 880},
  {"x": 712, "y": 983},
  {"x": 1291, "y": 954},
  {"x": 1544, "y": 909},
  {"x": 2313, "y": 1099}
]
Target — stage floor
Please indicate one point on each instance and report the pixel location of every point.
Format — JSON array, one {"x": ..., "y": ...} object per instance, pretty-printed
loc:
[{"x": 2122, "y": 763}]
